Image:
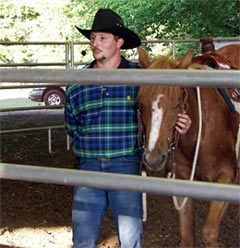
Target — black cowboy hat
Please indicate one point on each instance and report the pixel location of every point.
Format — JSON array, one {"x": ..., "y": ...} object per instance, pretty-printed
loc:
[{"x": 107, "y": 20}]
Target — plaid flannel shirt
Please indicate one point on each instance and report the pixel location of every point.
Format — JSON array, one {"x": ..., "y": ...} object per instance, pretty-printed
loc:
[{"x": 102, "y": 119}]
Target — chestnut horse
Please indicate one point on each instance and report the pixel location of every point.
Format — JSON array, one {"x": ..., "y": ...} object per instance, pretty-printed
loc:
[{"x": 217, "y": 158}]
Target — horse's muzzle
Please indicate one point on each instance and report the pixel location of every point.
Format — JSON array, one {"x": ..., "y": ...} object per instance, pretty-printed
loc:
[{"x": 153, "y": 161}]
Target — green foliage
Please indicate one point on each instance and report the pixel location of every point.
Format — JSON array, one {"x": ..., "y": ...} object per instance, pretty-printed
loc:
[
  {"x": 173, "y": 19},
  {"x": 28, "y": 13},
  {"x": 176, "y": 18},
  {"x": 36, "y": 20}
]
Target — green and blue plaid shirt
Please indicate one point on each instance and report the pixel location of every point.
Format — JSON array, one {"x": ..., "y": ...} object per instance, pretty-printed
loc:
[{"x": 102, "y": 119}]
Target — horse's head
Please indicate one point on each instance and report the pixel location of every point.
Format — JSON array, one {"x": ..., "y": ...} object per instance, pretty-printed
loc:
[{"x": 159, "y": 107}]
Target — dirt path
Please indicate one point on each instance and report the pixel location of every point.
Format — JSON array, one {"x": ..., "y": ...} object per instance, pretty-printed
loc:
[{"x": 36, "y": 215}]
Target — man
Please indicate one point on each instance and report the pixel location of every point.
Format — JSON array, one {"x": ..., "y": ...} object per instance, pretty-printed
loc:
[{"x": 102, "y": 121}]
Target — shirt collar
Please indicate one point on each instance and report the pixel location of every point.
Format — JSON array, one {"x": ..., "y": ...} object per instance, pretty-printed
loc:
[{"x": 123, "y": 64}]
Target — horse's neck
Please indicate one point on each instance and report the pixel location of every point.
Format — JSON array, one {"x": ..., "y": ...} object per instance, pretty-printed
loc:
[{"x": 216, "y": 99}]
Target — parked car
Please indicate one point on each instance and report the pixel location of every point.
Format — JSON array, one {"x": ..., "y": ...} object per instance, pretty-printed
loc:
[{"x": 51, "y": 96}]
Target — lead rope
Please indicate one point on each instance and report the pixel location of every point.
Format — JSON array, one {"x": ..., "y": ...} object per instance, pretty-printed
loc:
[
  {"x": 141, "y": 141},
  {"x": 172, "y": 175}
]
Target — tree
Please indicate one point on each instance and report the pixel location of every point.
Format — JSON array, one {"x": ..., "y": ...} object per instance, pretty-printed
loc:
[
  {"x": 172, "y": 19},
  {"x": 47, "y": 20},
  {"x": 175, "y": 18},
  {"x": 33, "y": 20}
]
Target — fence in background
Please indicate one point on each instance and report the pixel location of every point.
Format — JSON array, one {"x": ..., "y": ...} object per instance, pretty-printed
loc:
[{"x": 70, "y": 60}]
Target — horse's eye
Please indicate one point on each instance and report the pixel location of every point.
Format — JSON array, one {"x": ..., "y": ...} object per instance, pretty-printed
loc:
[
  {"x": 141, "y": 107},
  {"x": 176, "y": 107}
]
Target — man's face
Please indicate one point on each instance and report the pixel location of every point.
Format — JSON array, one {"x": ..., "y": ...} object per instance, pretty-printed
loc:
[{"x": 104, "y": 45}]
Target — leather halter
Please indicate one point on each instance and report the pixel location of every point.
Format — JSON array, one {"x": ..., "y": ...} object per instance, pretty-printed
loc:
[
  {"x": 173, "y": 142},
  {"x": 141, "y": 129}
]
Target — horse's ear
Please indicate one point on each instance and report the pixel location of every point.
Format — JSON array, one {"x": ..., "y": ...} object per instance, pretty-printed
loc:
[
  {"x": 186, "y": 60},
  {"x": 143, "y": 58}
]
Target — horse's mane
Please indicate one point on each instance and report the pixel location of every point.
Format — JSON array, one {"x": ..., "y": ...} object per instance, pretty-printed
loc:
[
  {"x": 164, "y": 62},
  {"x": 145, "y": 92}
]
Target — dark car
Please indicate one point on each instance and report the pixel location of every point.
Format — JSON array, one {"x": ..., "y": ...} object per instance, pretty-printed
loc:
[{"x": 51, "y": 96}]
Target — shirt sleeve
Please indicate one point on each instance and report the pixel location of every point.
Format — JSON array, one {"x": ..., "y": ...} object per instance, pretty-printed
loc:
[{"x": 70, "y": 120}]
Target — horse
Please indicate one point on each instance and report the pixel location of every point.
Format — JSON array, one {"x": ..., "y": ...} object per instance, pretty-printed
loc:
[{"x": 217, "y": 158}]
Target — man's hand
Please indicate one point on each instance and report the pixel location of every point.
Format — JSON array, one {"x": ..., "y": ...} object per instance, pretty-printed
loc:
[{"x": 183, "y": 123}]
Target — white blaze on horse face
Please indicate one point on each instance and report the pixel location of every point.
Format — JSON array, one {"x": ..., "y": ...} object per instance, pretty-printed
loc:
[{"x": 156, "y": 124}]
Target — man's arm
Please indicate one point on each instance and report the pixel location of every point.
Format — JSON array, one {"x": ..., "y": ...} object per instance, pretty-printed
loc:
[{"x": 70, "y": 121}]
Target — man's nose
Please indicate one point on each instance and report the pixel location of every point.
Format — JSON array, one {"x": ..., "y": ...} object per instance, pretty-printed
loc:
[{"x": 94, "y": 43}]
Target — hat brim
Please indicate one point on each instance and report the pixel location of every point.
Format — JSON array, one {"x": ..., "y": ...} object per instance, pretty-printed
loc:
[{"x": 131, "y": 40}]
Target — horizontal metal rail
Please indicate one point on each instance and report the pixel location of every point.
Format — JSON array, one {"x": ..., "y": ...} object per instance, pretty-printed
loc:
[
  {"x": 49, "y": 128},
  {"x": 31, "y": 108},
  {"x": 49, "y": 64},
  {"x": 193, "y": 78},
  {"x": 30, "y": 129},
  {"x": 230, "y": 39},
  {"x": 10, "y": 43},
  {"x": 162, "y": 186},
  {"x": 33, "y": 64},
  {"x": 28, "y": 85}
]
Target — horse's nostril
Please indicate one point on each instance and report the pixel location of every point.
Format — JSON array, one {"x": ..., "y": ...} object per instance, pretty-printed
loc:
[
  {"x": 163, "y": 158},
  {"x": 144, "y": 159}
]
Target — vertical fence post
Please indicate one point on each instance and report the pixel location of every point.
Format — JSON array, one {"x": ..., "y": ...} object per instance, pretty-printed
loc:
[
  {"x": 67, "y": 55},
  {"x": 50, "y": 140},
  {"x": 174, "y": 49},
  {"x": 71, "y": 54},
  {"x": 68, "y": 142}
]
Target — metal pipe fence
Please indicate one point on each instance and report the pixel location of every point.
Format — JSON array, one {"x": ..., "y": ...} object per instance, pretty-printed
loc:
[
  {"x": 30, "y": 129},
  {"x": 49, "y": 128},
  {"x": 69, "y": 48},
  {"x": 162, "y": 186},
  {"x": 30, "y": 108},
  {"x": 122, "y": 182},
  {"x": 187, "y": 78},
  {"x": 199, "y": 190}
]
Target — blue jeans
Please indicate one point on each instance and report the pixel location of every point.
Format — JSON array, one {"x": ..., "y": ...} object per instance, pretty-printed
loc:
[{"x": 90, "y": 204}]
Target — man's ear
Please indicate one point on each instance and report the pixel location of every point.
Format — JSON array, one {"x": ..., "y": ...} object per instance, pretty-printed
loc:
[{"x": 120, "y": 42}]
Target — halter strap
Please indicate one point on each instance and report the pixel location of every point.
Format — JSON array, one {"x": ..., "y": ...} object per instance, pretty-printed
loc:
[
  {"x": 173, "y": 143},
  {"x": 141, "y": 131}
]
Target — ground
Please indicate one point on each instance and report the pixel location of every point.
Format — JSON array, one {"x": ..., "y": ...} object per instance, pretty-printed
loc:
[{"x": 37, "y": 215}]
